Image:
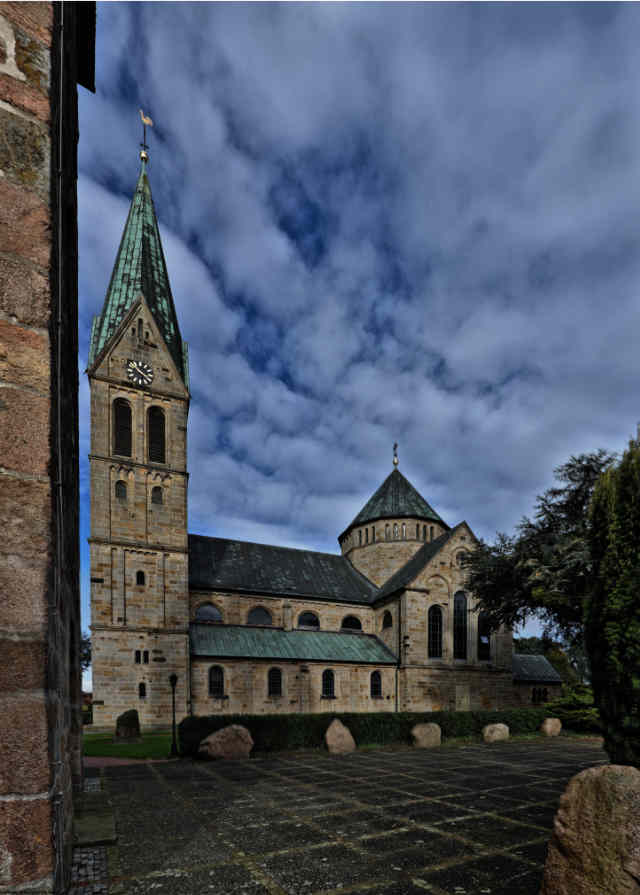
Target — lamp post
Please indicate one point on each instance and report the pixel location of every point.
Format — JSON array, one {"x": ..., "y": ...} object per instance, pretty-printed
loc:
[{"x": 173, "y": 680}]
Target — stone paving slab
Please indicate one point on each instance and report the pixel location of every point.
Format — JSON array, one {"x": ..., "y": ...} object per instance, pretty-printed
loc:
[{"x": 474, "y": 821}]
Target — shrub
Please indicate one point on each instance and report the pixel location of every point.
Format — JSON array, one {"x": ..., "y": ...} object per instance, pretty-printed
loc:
[{"x": 277, "y": 732}]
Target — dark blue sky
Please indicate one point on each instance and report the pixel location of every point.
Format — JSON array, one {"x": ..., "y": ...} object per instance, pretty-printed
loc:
[{"x": 382, "y": 222}]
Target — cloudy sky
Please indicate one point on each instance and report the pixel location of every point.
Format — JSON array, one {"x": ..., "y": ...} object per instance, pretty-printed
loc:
[{"x": 382, "y": 222}]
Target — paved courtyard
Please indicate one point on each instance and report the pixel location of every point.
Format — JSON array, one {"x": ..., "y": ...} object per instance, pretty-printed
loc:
[{"x": 475, "y": 819}]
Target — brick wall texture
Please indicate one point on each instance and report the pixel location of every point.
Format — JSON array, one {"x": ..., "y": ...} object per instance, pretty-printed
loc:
[{"x": 40, "y": 750}]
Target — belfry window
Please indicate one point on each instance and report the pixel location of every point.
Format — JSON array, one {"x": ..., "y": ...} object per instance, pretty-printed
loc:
[
  {"x": 460, "y": 626},
  {"x": 435, "y": 632},
  {"x": 121, "y": 427},
  {"x": 155, "y": 420},
  {"x": 121, "y": 490},
  {"x": 376, "y": 685},
  {"x": 328, "y": 684},
  {"x": 275, "y": 682},
  {"x": 216, "y": 682},
  {"x": 484, "y": 638},
  {"x": 156, "y": 494}
]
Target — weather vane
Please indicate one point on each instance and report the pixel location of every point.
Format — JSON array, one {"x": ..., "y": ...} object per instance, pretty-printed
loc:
[
  {"x": 395, "y": 453},
  {"x": 145, "y": 121}
]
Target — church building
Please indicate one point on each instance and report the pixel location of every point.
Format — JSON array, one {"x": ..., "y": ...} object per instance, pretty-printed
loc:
[{"x": 384, "y": 625}]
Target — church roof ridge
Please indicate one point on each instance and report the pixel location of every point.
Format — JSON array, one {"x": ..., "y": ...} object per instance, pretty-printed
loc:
[
  {"x": 140, "y": 267},
  {"x": 395, "y": 498}
]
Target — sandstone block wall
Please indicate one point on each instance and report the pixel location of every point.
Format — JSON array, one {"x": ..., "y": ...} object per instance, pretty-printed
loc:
[
  {"x": 40, "y": 688},
  {"x": 381, "y": 554}
]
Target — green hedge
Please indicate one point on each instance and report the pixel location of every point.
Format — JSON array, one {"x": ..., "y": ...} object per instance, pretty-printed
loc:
[
  {"x": 576, "y": 716},
  {"x": 274, "y": 732}
]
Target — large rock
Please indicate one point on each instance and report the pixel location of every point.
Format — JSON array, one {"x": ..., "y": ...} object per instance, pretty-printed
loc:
[
  {"x": 425, "y": 735},
  {"x": 551, "y": 727},
  {"x": 338, "y": 738},
  {"x": 595, "y": 845},
  {"x": 233, "y": 741},
  {"x": 491, "y": 733},
  {"x": 128, "y": 725}
]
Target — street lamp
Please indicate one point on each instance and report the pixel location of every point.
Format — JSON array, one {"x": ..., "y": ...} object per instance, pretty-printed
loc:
[{"x": 173, "y": 680}]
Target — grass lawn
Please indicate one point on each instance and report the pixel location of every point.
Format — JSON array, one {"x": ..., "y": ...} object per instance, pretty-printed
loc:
[{"x": 152, "y": 745}]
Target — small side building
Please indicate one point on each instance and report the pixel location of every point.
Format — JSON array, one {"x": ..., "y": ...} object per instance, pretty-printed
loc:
[{"x": 535, "y": 680}]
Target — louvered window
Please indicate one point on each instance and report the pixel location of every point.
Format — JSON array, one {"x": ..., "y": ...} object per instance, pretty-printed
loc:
[
  {"x": 459, "y": 626},
  {"x": 156, "y": 435},
  {"x": 435, "y": 632},
  {"x": 275, "y": 682},
  {"x": 121, "y": 427}
]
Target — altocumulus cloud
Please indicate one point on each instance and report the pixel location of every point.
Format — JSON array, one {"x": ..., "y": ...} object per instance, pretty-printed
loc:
[{"x": 388, "y": 221}]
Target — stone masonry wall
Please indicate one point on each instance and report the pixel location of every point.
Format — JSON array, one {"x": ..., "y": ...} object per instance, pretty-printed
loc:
[
  {"x": 40, "y": 689},
  {"x": 378, "y": 558}
]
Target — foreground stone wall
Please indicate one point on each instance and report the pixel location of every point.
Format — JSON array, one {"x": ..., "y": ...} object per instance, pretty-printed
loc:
[{"x": 40, "y": 688}]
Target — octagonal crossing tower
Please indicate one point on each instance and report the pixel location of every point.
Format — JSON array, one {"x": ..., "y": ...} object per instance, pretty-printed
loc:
[{"x": 139, "y": 379}]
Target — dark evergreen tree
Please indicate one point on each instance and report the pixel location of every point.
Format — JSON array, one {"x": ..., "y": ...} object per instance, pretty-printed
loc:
[{"x": 612, "y": 609}]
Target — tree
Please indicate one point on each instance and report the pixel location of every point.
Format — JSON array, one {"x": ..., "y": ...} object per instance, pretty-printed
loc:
[
  {"x": 545, "y": 569},
  {"x": 85, "y": 651},
  {"x": 612, "y": 609}
]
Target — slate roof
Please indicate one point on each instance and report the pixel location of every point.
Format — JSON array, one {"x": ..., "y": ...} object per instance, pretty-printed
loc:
[
  {"x": 534, "y": 669},
  {"x": 395, "y": 498},
  {"x": 140, "y": 267},
  {"x": 242, "y": 641},
  {"x": 414, "y": 566},
  {"x": 223, "y": 564}
]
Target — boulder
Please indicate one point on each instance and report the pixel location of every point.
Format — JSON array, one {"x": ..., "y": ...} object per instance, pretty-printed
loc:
[
  {"x": 551, "y": 727},
  {"x": 128, "y": 725},
  {"x": 338, "y": 738},
  {"x": 233, "y": 741},
  {"x": 425, "y": 735},
  {"x": 491, "y": 733},
  {"x": 595, "y": 846}
]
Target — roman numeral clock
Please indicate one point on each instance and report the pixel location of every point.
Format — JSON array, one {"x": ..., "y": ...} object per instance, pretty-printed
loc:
[{"x": 139, "y": 372}]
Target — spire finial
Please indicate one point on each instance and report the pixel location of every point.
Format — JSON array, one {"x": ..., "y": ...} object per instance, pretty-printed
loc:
[
  {"x": 144, "y": 157},
  {"x": 395, "y": 453}
]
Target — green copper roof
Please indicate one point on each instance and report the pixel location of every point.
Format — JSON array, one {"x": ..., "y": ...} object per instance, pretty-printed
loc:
[
  {"x": 396, "y": 497},
  {"x": 140, "y": 268},
  {"x": 244, "y": 642}
]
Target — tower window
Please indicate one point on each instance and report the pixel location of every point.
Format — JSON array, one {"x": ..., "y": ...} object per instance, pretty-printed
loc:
[
  {"x": 484, "y": 638},
  {"x": 387, "y": 533},
  {"x": 142, "y": 691},
  {"x": 395, "y": 531},
  {"x": 208, "y": 613},
  {"x": 275, "y": 682},
  {"x": 404, "y": 531},
  {"x": 137, "y": 657},
  {"x": 308, "y": 620},
  {"x": 216, "y": 681},
  {"x": 140, "y": 578},
  {"x": 417, "y": 531},
  {"x": 351, "y": 623},
  {"x": 121, "y": 490},
  {"x": 360, "y": 537},
  {"x": 460, "y": 558},
  {"x": 460, "y": 626},
  {"x": 376, "y": 685},
  {"x": 145, "y": 657},
  {"x": 424, "y": 532},
  {"x": 387, "y": 620},
  {"x": 328, "y": 684},
  {"x": 435, "y": 632},
  {"x": 431, "y": 532},
  {"x": 259, "y": 616},
  {"x": 156, "y": 494},
  {"x": 155, "y": 419},
  {"x": 140, "y": 330},
  {"x": 366, "y": 535},
  {"x": 373, "y": 534},
  {"x": 121, "y": 427}
]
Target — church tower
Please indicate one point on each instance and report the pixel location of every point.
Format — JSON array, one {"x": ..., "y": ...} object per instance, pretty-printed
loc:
[{"x": 139, "y": 379}]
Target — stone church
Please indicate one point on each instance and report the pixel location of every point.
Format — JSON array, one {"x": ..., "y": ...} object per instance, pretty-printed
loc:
[{"x": 385, "y": 625}]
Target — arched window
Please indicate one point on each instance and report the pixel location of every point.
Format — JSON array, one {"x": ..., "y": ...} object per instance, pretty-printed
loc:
[
  {"x": 137, "y": 657},
  {"x": 360, "y": 538},
  {"x": 460, "y": 555},
  {"x": 417, "y": 531},
  {"x": 395, "y": 531},
  {"x": 435, "y": 632},
  {"x": 431, "y": 532},
  {"x": 376, "y": 685},
  {"x": 387, "y": 620},
  {"x": 216, "y": 681},
  {"x": 145, "y": 656},
  {"x": 545, "y": 694},
  {"x": 366, "y": 535},
  {"x": 121, "y": 427},
  {"x": 156, "y": 494},
  {"x": 460, "y": 626},
  {"x": 535, "y": 695},
  {"x": 308, "y": 620},
  {"x": 373, "y": 534},
  {"x": 328, "y": 684},
  {"x": 155, "y": 429},
  {"x": 424, "y": 532},
  {"x": 142, "y": 691},
  {"x": 387, "y": 533},
  {"x": 404, "y": 531},
  {"x": 351, "y": 623},
  {"x": 140, "y": 578},
  {"x": 259, "y": 616},
  {"x": 208, "y": 613},
  {"x": 484, "y": 638},
  {"x": 121, "y": 490},
  {"x": 275, "y": 682}
]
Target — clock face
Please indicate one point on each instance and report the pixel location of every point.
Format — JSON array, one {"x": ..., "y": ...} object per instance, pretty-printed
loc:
[{"x": 139, "y": 372}]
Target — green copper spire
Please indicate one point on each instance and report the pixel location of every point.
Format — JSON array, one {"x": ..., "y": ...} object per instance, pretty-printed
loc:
[{"x": 140, "y": 268}]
